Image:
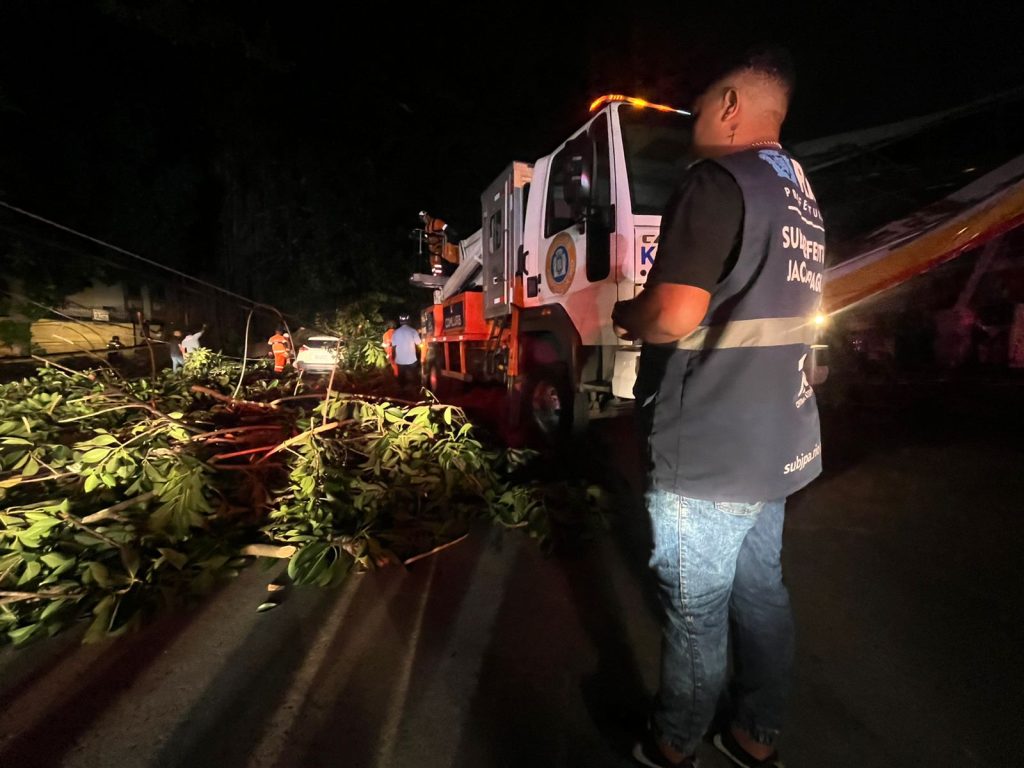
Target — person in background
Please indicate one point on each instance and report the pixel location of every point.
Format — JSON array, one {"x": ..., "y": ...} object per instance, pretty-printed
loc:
[
  {"x": 444, "y": 253},
  {"x": 113, "y": 349},
  {"x": 174, "y": 347},
  {"x": 280, "y": 348},
  {"x": 389, "y": 347},
  {"x": 191, "y": 342},
  {"x": 406, "y": 341}
]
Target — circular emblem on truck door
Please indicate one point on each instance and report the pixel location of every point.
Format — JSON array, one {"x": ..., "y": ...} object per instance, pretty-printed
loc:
[{"x": 561, "y": 263}]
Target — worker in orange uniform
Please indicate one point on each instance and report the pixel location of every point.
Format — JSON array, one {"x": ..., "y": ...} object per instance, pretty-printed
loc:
[
  {"x": 439, "y": 244},
  {"x": 280, "y": 347},
  {"x": 389, "y": 348}
]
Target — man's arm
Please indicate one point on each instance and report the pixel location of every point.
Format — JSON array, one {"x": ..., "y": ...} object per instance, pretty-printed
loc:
[
  {"x": 663, "y": 313},
  {"x": 699, "y": 241}
]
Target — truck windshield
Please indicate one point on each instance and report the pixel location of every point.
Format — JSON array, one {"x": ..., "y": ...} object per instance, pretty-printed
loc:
[{"x": 657, "y": 148}]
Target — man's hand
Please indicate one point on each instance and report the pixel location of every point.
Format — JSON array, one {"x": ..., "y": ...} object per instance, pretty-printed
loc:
[
  {"x": 620, "y": 313},
  {"x": 622, "y": 333}
]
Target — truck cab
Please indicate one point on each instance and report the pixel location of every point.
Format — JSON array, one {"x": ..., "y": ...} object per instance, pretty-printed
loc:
[{"x": 562, "y": 239}]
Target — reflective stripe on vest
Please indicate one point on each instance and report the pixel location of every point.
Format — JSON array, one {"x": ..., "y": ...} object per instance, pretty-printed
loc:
[{"x": 762, "y": 332}]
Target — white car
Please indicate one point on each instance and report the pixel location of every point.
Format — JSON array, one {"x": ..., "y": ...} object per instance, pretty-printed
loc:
[{"x": 318, "y": 355}]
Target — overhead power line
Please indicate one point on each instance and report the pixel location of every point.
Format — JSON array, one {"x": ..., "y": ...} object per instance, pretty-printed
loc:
[{"x": 137, "y": 256}]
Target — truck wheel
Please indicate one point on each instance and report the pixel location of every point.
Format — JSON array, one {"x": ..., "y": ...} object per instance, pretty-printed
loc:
[{"x": 548, "y": 403}]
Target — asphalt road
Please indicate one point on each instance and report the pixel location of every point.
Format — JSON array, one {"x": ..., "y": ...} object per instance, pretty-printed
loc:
[{"x": 904, "y": 563}]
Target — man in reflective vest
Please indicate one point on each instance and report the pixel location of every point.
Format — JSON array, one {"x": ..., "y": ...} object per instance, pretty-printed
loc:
[
  {"x": 731, "y": 425},
  {"x": 280, "y": 348}
]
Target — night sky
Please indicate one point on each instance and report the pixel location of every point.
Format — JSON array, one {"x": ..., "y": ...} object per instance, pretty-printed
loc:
[{"x": 285, "y": 152}]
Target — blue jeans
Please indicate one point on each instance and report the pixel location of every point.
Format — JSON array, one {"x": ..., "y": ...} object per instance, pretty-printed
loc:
[
  {"x": 718, "y": 563},
  {"x": 176, "y": 363}
]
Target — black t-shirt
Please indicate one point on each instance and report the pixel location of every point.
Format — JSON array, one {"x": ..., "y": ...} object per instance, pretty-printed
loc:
[{"x": 701, "y": 229}]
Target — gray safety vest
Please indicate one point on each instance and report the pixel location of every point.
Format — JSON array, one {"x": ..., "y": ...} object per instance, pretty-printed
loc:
[{"x": 729, "y": 412}]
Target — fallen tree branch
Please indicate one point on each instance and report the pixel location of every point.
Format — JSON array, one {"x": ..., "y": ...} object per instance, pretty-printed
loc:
[
  {"x": 308, "y": 433},
  {"x": 249, "y": 467},
  {"x": 10, "y": 482},
  {"x": 109, "y": 512},
  {"x": 503, "y": 524},
  {"x": 96, "y": 534},
  {"x": 270, "y": 550},
  {"x": 435, "y": 550},
  {"x": 228, "y": 399},
  {"x": 141, "y": 406},
  {"x": 289, "y": 398},
  {"x": 261, "y": 449},
  {"x": 72, "y": 371},
  {"x": 232, "y": 430},
  {"x": 14, "y": 597}
]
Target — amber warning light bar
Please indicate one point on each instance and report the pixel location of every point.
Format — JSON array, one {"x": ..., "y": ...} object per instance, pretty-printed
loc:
[{"x": 636, "y": 102}]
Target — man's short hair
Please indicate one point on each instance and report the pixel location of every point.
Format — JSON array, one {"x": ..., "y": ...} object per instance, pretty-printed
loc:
[{"x": 771, "y": 61}]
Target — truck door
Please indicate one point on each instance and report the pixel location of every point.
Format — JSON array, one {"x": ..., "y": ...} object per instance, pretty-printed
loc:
[{"x": 576, "y": 244}]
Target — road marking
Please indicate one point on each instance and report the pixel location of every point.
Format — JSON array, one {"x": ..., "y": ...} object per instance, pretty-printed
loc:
[
  {"x": 277, "y": 735},
  {"x": 396, "y": 709},
  {"x": 442, "y": 702}
]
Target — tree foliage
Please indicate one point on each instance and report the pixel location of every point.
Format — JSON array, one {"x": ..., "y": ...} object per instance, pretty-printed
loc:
[{"x": 120, "y": 497}]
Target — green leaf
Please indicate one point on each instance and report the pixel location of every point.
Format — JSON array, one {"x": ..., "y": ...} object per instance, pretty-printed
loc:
[
  {"x": 307, "y": 485},
  {"x": 174, "y": 557},
  {"x": 52, "y": 608},
  {"x": 32, "y": 569},
  {"x": 103, "y": 613},
  {"x": 153, "y": 473},
  {"x": 131, "y": 560},
  {"x": 22, "y": 635},
  {"x": 56, "y": 559},
  {"x": 92, "y": 482},
  {"x": 309, "y": 563},
  {"x": 100, "y": 573},
  {"x": 103, "y": 440},
  {"x": 10, "y": 561},
  {"x": 44, "y": 515},
  {"x": 95, "y": 456},
  {"x": 30, "y": 468}
]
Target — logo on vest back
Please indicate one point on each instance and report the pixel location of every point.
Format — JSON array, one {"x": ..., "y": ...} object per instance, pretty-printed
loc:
[
  {"x": 806, "y": 391},
  {"x": 787, "y": 168}
]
